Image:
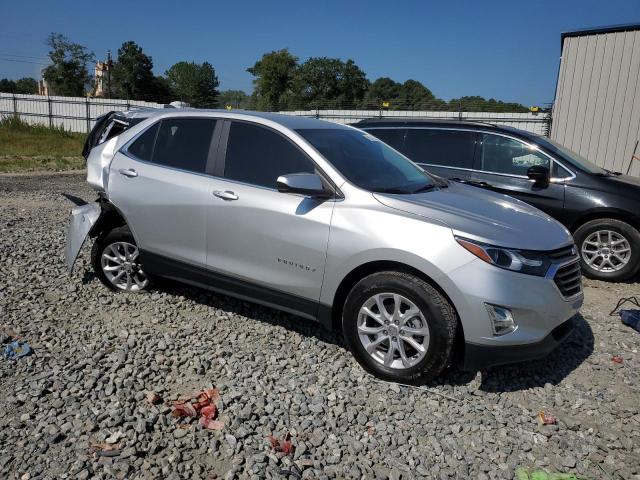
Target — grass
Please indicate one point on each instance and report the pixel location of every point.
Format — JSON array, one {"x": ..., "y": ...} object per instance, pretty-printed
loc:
[{"x": 29, "y": 148}]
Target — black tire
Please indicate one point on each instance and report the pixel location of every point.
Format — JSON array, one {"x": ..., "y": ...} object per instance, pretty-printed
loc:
[
  {"x": 119, "y": 234},
  {"x": 438, "y": 312},
  {"x": 624, "y": 229}
]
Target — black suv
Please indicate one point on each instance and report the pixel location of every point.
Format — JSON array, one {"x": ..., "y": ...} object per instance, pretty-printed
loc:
[{"x": 601, "y": 208}]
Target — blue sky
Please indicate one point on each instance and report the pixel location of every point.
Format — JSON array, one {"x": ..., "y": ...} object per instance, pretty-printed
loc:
[{"x": 508, "y": 50}]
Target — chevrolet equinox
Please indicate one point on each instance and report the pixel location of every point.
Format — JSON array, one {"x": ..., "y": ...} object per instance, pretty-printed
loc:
[{"x": 329, "y": 223}]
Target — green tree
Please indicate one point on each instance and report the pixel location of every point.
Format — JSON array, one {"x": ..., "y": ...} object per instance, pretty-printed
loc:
[
  {"x": 383, "y": 89},
  {"x": 160, "y": 90},
  {"x": 415, "y": 96},
  {"x": 132, "y": 74},
  {"x": 353, "y": 85},
  {"x": 274, "y": 76},
  {"x": 27, "y": 85},
  {"x": 481, "y": 104},
  {"x": 195, "y": 84},
  {"x": 234, "y": 98},
  {"x": 7, "y": 86},
  {"x": 329, "y": 82},
  {"x": 67, "y": 75}
]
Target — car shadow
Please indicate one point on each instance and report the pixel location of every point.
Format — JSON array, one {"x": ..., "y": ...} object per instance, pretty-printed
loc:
[
  {"x": 537, "y": 373},
  {"x": 508, "y": 378},
  {"x": 250, "y": 310}
]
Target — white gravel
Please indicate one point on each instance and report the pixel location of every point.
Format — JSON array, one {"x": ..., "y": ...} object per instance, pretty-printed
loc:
[{"x": 98, "y": 354}]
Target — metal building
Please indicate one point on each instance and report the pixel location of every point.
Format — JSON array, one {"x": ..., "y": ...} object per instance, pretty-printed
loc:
[{"x": 596, "y": 111}]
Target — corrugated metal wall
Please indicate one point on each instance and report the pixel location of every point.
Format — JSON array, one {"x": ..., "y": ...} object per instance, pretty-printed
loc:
[{"x": 597, "y": 107}]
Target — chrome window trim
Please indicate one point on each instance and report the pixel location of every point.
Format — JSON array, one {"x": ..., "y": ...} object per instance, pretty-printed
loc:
[
  {"x": 125, "y": 151},
  {"x": 552, "y": 159},
  {"x": 125, "y": 148}
]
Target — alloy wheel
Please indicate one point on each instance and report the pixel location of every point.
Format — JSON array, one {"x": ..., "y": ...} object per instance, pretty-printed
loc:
[
  {"x": 121, "y": 265},
  {"x": 393, "y": 330},
  {"x": 606, "y": 251}
]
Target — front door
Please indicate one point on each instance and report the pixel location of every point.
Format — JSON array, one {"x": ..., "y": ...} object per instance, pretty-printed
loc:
[
  {"x": 503, "y": 164},
  {"x": 275, "y": 242}
]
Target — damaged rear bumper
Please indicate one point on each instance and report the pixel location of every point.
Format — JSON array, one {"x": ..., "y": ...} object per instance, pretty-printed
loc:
[{"x": 82, "y": 219}]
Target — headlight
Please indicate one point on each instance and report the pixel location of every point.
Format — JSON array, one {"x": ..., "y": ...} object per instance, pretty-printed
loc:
[{"x": 525, "y": 261}]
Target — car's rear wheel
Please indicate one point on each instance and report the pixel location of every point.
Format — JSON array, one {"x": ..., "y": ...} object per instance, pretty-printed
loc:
[
  {"x": 609, "y": 249},
  {"x": 116, "y": 261},
  {"x": 399, "y": 327}
]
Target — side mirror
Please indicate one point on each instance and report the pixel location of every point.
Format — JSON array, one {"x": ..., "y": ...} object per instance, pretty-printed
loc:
[
  {"x": 308, "y": 184},
  {"x": 540, "y": 175}
]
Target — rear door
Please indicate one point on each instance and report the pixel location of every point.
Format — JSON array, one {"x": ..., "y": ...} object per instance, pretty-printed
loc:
[
  {"x": 449, "y": 153},
  {"x": 274, "y": 243},
  {"x": 503, "y": 165},
  {"x": 159, "y": 183}
]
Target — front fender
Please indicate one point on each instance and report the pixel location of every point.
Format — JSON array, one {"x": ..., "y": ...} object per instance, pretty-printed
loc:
[{"x": 82, "y": 219}]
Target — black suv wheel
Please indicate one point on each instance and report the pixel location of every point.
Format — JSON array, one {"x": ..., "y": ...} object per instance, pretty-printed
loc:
[{"x": 609, "y": 249}]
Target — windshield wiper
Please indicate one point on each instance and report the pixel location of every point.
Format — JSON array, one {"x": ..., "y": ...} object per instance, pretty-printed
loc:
[
  {"x": 392, "y": 190},
  {"x": 424, "y": 188}
]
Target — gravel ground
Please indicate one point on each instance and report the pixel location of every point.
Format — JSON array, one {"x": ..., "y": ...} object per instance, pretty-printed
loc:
[{"x": 78, "y": 407}]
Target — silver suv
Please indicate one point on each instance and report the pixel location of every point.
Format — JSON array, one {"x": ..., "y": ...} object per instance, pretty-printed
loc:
[{"x": 329, "y": 223}]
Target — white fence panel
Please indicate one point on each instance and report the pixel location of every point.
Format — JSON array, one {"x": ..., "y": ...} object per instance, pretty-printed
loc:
[{"x": 74, "y": 114}]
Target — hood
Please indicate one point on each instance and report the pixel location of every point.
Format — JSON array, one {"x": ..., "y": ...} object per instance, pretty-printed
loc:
[
  {"x": 625, "y": 181},
  {"x": 484, "y": 216}
]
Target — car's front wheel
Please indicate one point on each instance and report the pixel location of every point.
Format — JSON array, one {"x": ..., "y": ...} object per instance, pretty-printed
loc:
[
  {"x": 609, "y": 249},
  {"x": 399, "y": 327},
  {"x": 116, "y": 261}
]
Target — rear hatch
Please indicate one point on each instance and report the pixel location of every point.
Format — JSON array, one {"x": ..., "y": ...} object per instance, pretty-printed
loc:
[{"x": 100, "y": 146}]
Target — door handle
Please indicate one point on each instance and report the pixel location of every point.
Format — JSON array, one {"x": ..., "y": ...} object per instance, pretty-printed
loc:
[
  {"x": 225, "y": 195},
  {"x": 128, "y": 172}
]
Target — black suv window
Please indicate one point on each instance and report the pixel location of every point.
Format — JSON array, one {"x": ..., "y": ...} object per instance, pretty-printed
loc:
[
  {"x": 507, "y": 155},
  {"x": 258, "y": 156},
  {"x": 142, "y": 148},
  {"x": 184, "y": 143},
  {"x": 393, "y": 137},
  {"x": 448, "y": 148}
]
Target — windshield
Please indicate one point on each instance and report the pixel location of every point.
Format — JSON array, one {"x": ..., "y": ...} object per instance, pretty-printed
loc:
[
  {"x": 575, "y": 158},
  {"x": 367, "y": 162}
]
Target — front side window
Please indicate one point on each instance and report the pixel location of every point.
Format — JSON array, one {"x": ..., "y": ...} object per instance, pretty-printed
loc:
[
  {"x": 367, "y": 162},
  {"x": 258, "y": 156},
  {"x": 447, "y": 148},
  {"x": 184, "y": 143},
  {"x": 507, "y": 155}
]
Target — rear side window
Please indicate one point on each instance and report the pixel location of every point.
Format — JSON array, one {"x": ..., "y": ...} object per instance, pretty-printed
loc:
[
  {"x": 258, "y": 156},
  {"x": 507, "y": 155},
  {"x": 448, "y": 148},
  {"x": 184, "y": 143},
  {"x": 394, "y": 137},
  {"x": 142, "y": 148}
]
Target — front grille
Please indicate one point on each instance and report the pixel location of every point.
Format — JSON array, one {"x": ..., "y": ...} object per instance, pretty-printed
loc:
[
  {"x": 562, "y": 254},
  {"x": 569, "y": 279}
]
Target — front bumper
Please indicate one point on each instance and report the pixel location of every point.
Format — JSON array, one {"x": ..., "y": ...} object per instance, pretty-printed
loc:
[
  {"x": 542, "y": 314},
  {"x": 476, "y": 357}
]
